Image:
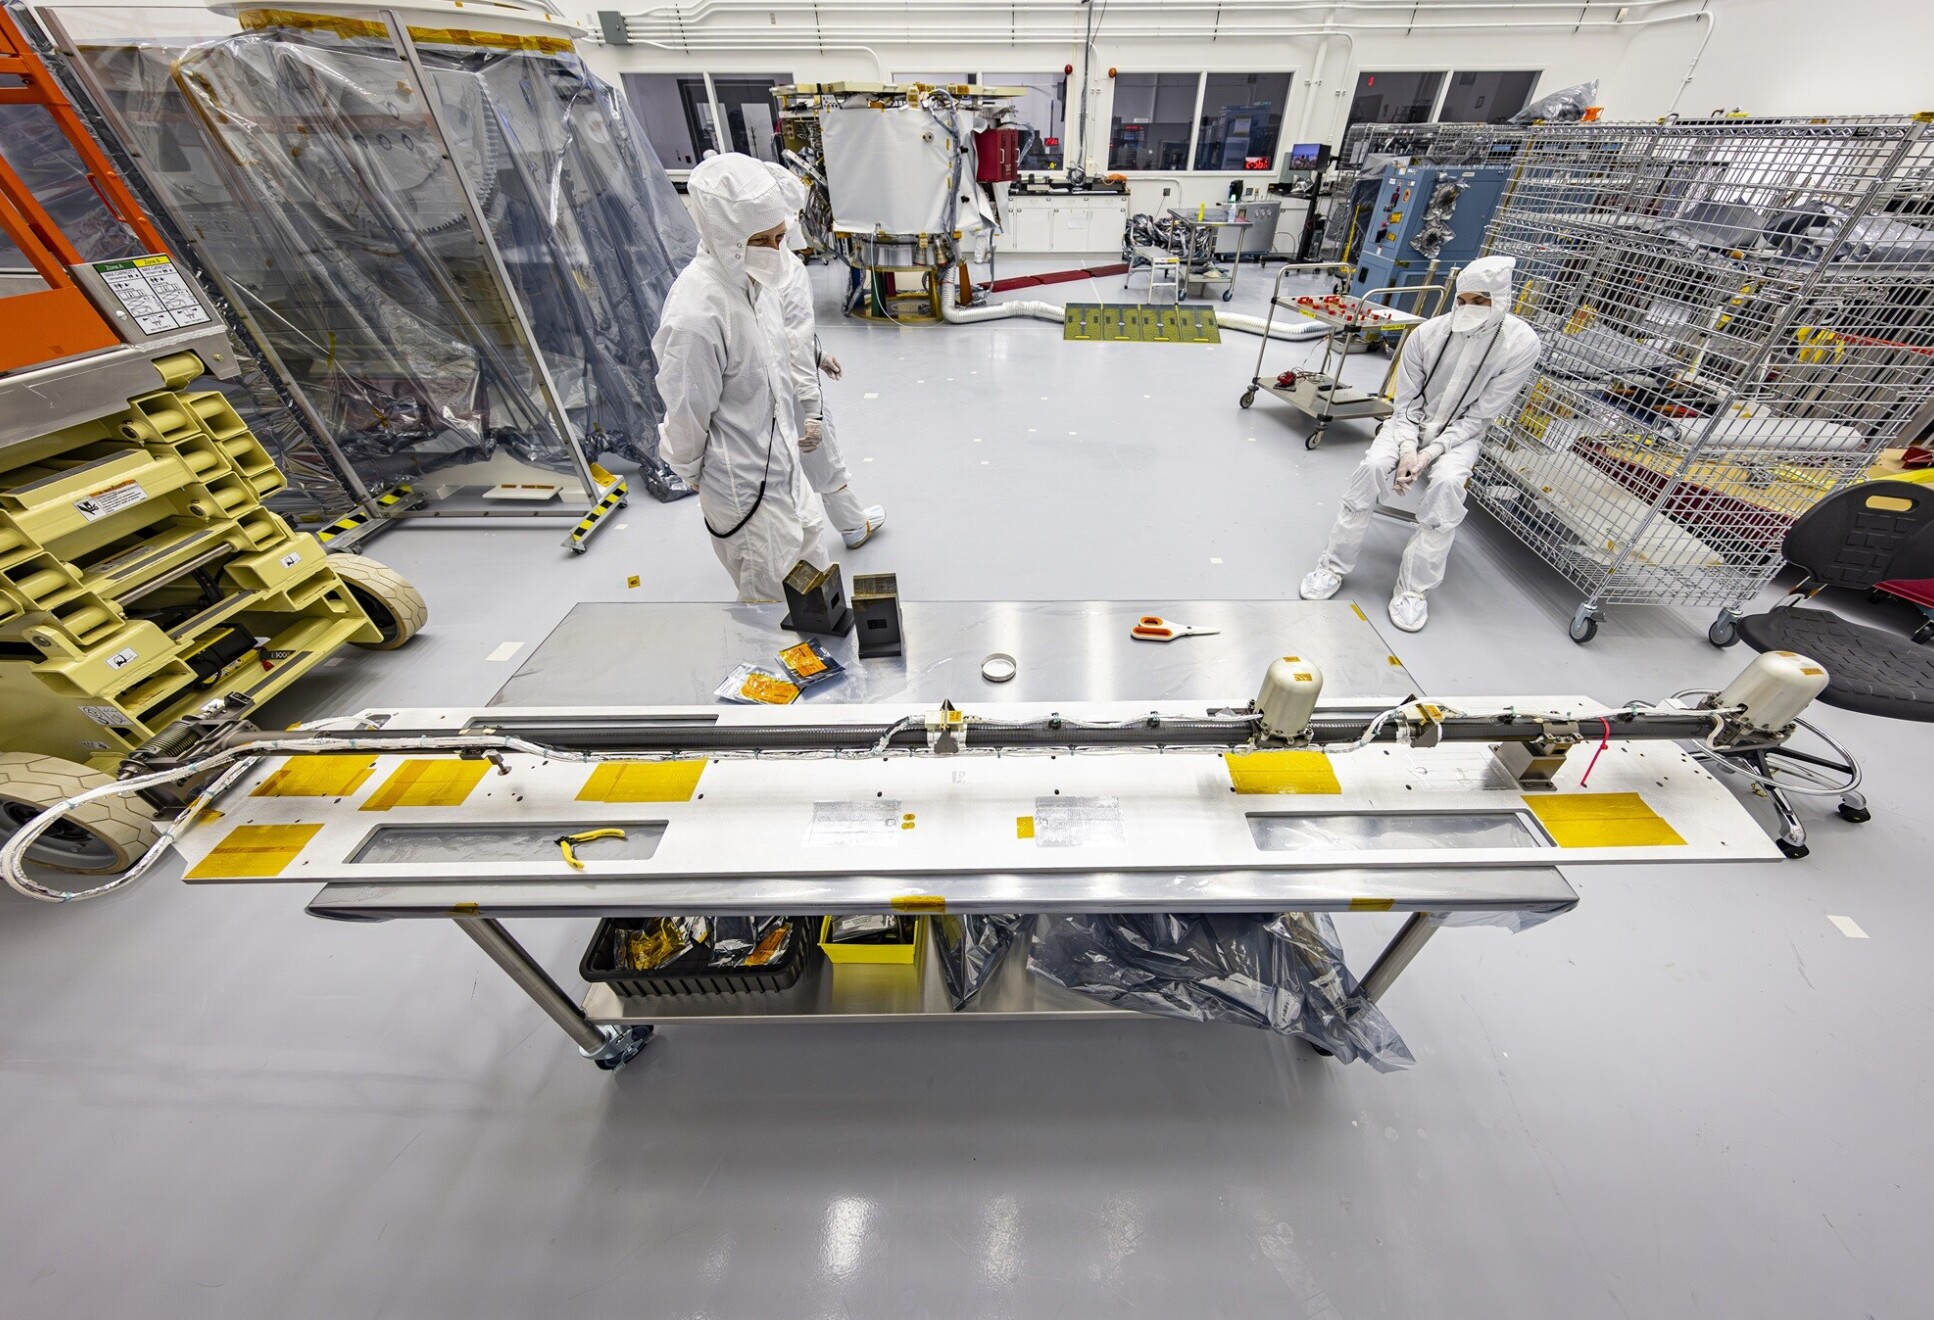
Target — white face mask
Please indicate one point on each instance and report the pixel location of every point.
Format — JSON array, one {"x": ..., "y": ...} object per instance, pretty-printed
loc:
[
  {"x": 1466, "y": 317},
  {"x": 766, "y": 265}
]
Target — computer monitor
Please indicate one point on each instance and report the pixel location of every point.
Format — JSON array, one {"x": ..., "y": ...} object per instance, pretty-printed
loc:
[{"x": 1308, "y": 156}]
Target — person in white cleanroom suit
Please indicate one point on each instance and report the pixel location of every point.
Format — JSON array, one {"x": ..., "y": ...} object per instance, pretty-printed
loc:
[
  {"x": 1458, "y": 374},
  {"x": 731, "y": 427},
  {"x": 818, "y": 446}
]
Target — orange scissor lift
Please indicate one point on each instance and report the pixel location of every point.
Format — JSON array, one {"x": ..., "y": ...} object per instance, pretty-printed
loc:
[{"x": 141, "y": 575}]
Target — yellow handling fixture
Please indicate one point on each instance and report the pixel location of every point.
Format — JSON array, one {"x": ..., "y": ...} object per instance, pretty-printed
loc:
[{"x": 567, "y": 843}]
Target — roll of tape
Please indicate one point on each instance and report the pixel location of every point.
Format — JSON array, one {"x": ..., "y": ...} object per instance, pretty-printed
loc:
[{"x": 999, "y": 667}]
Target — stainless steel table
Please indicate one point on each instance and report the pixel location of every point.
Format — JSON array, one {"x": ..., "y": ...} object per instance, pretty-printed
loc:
[
  {"x": 617, "y": 654},
  {"x": 672, "y": 654}
]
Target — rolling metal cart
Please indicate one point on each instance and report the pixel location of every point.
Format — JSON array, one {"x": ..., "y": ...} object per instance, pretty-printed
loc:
[
  {"x": 1198, "y": 235},
  {"x": 1737, "y": 316},
  {"x": 1321, "y": 393}
]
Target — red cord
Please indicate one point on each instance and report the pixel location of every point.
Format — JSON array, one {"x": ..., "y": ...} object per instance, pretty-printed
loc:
[{"x": 1603, "y": 743}]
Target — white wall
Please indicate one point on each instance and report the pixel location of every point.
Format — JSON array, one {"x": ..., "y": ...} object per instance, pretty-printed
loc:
[{"x": 1765, "y": 56}]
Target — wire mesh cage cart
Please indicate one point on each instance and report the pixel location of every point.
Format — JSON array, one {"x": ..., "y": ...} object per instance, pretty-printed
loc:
[{"x": 1737, "y": 317}]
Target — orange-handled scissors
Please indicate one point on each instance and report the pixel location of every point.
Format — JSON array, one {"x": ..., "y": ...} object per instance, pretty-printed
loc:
[{"x": 1153, "y": 628}]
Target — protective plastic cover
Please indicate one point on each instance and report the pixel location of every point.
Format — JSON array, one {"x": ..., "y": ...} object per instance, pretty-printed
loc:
[
  {"x": 304, "y": 166},
  {"x": 1281, "y": 971},
  {"x": 969, "y": 948},
  {"x": 901, "y": 170}
]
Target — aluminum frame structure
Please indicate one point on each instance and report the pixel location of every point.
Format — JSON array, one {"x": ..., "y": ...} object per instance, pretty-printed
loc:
[{"x": 1737, "y": 316}]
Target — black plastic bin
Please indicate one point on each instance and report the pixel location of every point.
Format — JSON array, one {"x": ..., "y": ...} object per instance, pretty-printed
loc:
[{"x": 690, "y": 974}]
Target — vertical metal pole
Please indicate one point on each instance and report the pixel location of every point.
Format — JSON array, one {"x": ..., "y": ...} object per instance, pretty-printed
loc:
[
  {"x": 534, "y": 981},
  {"x": 480, "y": 227},
  {"x": 1408, "y": 943}
]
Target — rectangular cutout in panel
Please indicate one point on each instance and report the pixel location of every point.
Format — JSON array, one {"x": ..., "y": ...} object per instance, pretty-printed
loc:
[
  {"x": 254, "y": 852},
  {"x": 428, "y": 784},
  {"x": 1368, "y": 831},
  {"x": 1281, "y": 772},
  {"x": 318, "y": 776},
  {"x": 1603, "y": 820},
  {"x": 391, "y": 845},
  {"x": 642, "y": 781}
]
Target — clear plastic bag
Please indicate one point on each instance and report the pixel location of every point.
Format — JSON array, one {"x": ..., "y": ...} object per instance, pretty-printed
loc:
[
  {"x": 970, "y": 946},
  {"x": 1565, "y": 106},
  {"x": 1280, "y": 971}
]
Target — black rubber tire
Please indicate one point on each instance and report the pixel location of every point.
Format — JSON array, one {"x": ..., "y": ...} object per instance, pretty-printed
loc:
[
  {"x": 1227, "y": 294},
  {"x": 1314, "y": 440},
  {"x": 1723, "y": 633},
  {"x": 1585, "y": 631},
  {"x": 1248, "y": 398}
]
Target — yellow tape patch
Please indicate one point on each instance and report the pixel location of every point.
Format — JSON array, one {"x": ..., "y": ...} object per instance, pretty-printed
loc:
[
  {"x": 919, "y": 903},
  {"x": 642, "y": 781},
  {"x": 1357, "y": 610},
  {"x": 1281, "y": 772},
  {"x": 254, "y": 852},
  {"x": 1372, "y": 904},
  {"x": 317, "y": 776},
  {"x": 1024, "y": 827},
  {"x": 428, "y": 784},
  {"x": 1603, "y": 820}
]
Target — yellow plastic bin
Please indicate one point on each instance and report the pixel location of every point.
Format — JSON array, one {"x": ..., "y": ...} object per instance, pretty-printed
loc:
[{"x": 897, "y": 955}]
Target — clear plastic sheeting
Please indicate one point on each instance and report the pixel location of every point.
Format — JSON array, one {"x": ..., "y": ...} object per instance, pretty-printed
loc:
[
  {"x": 304, "y": 166},
  {"x": 394, "y": 844},
  {"x": 1356, "y": 831},
  {"x": 969, "y": 947},
  {"x": 1283, "y": 972},
  {"x": 1511, "y": 921}
]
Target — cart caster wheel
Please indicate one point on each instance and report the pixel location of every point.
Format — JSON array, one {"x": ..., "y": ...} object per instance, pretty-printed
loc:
[
  {"x": 1248, "y": 398},
  {"x": 1723, "y": 633},
  {"x": 622, "y": 1048},
  {"x": 625, "y": 502},
  {"x": 1855, "y": 815},
  {"x": 1227, "y": 294},
  {"x": 579, "y": 547},
  {"x": 1314, "y": 440},
  {"x": 1328, "y": 1054},
  {"x": 1924, "y": 634},
  {"x": 1795, "y": 851},
  {"x": 1584, "y": 626}
]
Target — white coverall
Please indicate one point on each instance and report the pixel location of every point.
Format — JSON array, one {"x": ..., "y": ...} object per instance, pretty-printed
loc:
[
  {"x": 1450, "y": 388},
  {"x": 825, "y": 465},
  {"x": 731, "y": 425}
]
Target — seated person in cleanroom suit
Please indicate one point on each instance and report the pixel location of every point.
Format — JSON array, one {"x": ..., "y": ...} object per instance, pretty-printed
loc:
[
  {"x": 1459, "y": 373},
  {"x": 819, "y": 448},
  {"x": 732, "y": 424}
]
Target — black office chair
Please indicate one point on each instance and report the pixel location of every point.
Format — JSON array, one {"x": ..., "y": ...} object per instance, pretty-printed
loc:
[{"x": 1875, "y": 532}]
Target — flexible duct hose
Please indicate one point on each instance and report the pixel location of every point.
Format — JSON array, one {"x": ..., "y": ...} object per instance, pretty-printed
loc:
[{"x": 1055, "y": 312}]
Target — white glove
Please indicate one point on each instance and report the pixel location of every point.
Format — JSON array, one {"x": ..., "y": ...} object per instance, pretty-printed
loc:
[
  {"x": 1409, "y": 467},
  {"x": 830, "y": 365},
  {"x": 815, "y": 432}
]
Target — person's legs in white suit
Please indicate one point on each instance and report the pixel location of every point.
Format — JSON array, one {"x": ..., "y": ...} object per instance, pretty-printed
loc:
[
  {"x": 784, "y": 530},
  {"x": 1428, "y": 552},
  {"x": 1368, "y": 483},
  {"x": 826, "y": 470}
]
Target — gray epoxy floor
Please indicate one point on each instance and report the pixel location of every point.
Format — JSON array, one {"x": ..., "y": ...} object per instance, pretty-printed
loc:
[{"x": 1692, "y": 1096}]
